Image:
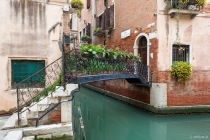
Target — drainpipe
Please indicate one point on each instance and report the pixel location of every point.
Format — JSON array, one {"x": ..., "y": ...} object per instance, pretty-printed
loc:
[
  {"x": 148, "y": 59},
  {"x": 93, "y": 25},
  {"x": 106, "y": 31}
]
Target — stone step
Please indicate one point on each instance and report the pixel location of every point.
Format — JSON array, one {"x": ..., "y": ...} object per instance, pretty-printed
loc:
[
  {"x": 71, "y": 87},
  {"x": 54, "y": 100},
  {"x": 14, "y": 135},
  {"x": 11, "y": 122},
  {"x": 44, "y": 101},
  {"x": 32, "y": 114},
  {"x": 59, "y": 88},
  {"x": 28, "y": 138},
  {"x": 42, "y": 107},
  {"x": 22, "y": 123},
  {"x": 32, "y": 122},
  {"x": 54, "y": 129},
  {"x": 59, "y": 94}
]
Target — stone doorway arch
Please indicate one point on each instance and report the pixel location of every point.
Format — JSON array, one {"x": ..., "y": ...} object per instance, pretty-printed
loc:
[
  {"x": 142, "y": 43},
  {"x": 142, "y": 47}
]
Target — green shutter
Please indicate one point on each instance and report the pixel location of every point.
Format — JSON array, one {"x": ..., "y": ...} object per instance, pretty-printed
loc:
[{"x": 22, "y": 69}]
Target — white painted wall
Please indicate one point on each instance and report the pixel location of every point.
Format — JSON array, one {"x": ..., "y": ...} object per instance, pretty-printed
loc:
[
  {"x": 195, "y": 32},
  {"x": 24, "y": 34}
]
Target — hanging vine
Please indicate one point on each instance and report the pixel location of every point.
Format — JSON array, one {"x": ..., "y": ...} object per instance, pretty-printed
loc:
[{"x": 180, "y": 3}]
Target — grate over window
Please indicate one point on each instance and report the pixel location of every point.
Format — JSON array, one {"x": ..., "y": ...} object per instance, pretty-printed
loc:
[
  {"x": 180, "y": 53},
  {"x": 22, "y": 69}
]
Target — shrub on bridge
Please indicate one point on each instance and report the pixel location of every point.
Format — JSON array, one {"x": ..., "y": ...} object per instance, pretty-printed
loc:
[{"x": 96, "y": 51}]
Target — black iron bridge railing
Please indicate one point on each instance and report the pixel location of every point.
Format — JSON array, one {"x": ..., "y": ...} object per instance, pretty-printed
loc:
[
  {"x": 39, "y": 85},
  {"x": 77, "y": 69},
  {"x": 81, "y": 69}
]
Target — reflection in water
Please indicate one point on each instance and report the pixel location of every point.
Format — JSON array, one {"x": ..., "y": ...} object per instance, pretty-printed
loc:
[{"x": 107, "y": 119}]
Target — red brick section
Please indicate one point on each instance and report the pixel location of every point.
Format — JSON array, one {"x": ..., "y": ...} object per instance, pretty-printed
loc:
[
  {"x": 138, "y": 14},
  {"x": 195, "y": 92},
  {"x": 135, "y": 14},
  {"x": 55, "y": 115},
  {"x": 122, "y": 87},
  {"x": 66, "y": 29},
  {"x": 66, "y": 20}
]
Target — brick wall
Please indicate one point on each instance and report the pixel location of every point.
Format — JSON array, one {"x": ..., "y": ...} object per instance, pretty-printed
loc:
[
  {"x": 66, "y": 28},
  {"x": 195, "y": 92},
  {"x": 55, "y": 115},
  {"x": 129, "y": 15},
  {"x": 136, "y": 15},
  {"x": 122, "y": 87}
]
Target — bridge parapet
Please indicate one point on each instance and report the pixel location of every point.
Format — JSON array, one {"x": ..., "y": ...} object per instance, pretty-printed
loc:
[{"x": 78, "y": 67}]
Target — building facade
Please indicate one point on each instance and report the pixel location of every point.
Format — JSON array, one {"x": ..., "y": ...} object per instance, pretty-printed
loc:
[
  {"x": 30, "y": 32},
  {"x": 155, "y": 30}
]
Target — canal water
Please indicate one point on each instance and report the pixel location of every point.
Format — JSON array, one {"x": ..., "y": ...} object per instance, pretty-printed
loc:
[{"x": 97, "y": 117}]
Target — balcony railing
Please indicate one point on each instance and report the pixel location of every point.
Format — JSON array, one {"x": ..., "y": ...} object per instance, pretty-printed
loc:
[
  {"x": 191, "y": 5},
  {"x": 190, "y": 8}
]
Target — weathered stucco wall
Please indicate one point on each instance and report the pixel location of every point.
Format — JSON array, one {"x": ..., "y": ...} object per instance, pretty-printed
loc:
[
  {"x": 196, "y": 33},
  {"x": 24, "y": 35}
]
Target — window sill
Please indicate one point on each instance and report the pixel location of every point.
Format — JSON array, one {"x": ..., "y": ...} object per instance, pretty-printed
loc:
[{"x": 23, "y": 90}]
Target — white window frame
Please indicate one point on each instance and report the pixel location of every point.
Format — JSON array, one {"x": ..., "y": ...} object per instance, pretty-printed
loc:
[{"x": 190, "y": 51}]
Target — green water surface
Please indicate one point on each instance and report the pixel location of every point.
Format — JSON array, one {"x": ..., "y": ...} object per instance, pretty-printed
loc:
[{"x": 107, "y": 119}]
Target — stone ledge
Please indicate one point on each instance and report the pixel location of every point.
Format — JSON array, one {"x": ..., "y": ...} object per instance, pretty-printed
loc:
[{"x": 48, "y": 129}]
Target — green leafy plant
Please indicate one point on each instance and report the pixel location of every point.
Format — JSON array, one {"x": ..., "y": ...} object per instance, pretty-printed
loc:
[
  {"x": 198, "y": 2},
  {"x": 77, "y": 4},
  {"x": 92, "y": 51},
  {"x": 201, "y": 2},
  {"x": 112, "y": 53},
  {"x": 96, "y": 51},
  {"x": 51, "y": 88},
  {"x": 98, "y": 32},
  {"x": 86, "y": 38},
  {"x": 109, "y": 30},
  {"x": 181, "y": 71}
]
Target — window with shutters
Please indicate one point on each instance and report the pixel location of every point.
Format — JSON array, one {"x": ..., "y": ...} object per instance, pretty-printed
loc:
[
  {"x": 22, "y": 69},
  {"x": 101, "y": 20},
  {"x": 80, "y": 35},
  {"x": 112, "y": 20},
  {"x": 106, "y": 20},
  {"x": 88, "y": 30},
  {"x": 70, "y": 23},
  {"x": 84, "y": 31},
  {"x": 88, "y": 4}
]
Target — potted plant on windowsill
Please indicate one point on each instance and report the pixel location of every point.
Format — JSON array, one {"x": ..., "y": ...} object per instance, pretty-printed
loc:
[
  {"x": 85, "y": 39},
  {"x": 77, "y": 4},
  {"x": 98, "y": 32}
]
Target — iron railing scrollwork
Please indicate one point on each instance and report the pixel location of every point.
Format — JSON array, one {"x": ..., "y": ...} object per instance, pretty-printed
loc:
[
  {"x": 40, "y": 83},
  {"x": 77, "y": 65},
  {"x": 73, "y": 65}
]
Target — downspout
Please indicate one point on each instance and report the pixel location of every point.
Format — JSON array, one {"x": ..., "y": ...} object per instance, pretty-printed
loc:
[
  {"x": 148, "y": 59},
  {"x": 93, "y": 25}
]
